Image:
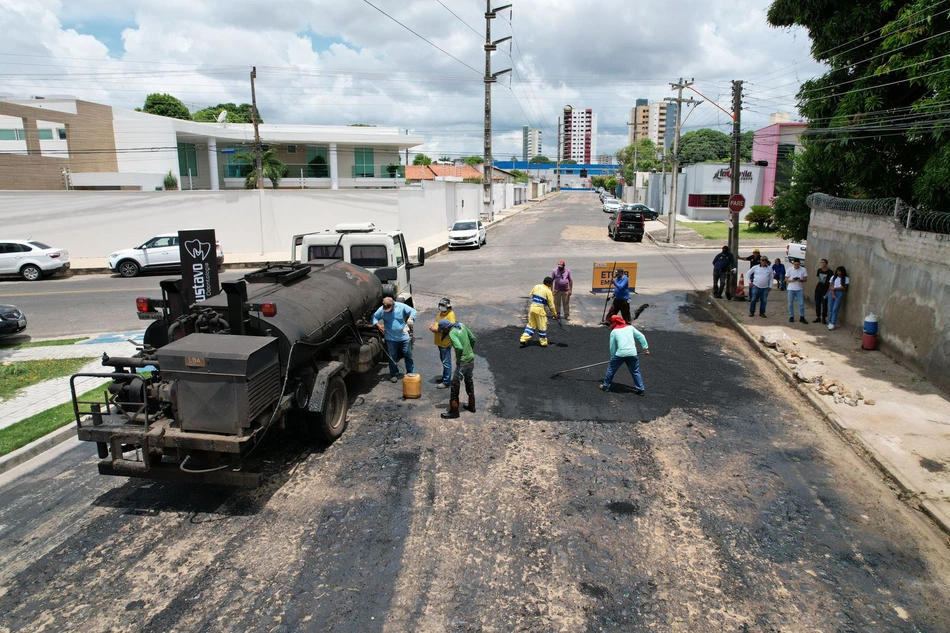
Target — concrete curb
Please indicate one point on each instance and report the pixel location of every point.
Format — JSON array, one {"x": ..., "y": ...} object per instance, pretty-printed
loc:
[
  {"x": 831, "y": 417},
  {"x": 34, "y": 448}
]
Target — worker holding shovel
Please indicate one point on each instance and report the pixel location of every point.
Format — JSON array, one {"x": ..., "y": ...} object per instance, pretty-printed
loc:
[{"x": 623, "y": 351}]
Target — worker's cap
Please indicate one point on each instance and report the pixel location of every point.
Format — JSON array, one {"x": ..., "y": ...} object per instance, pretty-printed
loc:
[
  {"x": 388, "y": 304},
  {"x": 561, "y": 264},
  {"x": 618, "y": 272},
  {"x": 445, "y": 324},
  {"x": 617, "y": 321},
  {"x": 756, "y": 251},
  {"x": 445, "y": 302}
]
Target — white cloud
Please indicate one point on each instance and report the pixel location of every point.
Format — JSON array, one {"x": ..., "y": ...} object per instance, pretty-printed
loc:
[{"x": 345, "y": 62}]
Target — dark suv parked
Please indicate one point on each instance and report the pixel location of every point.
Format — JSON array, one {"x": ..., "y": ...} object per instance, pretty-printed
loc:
[
  {"x": 626, "y": 224},
  {"x": 648, "y": 213}
]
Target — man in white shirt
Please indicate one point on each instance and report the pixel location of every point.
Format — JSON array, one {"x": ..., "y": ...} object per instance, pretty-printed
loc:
[
  {"x": 795, "y": 279},
  {"x": 760, "y": 283}
]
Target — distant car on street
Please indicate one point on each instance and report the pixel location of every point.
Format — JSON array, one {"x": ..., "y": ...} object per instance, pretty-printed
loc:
[
  {"x": 467, "y": 233},
  {"x": 612, "y": 205},
  {"x": 31, "y": 260},
  {"x": 648, "y": 213},
  {"x": 795, "y": 252},
  {"x": 12, "y": 320},
  {"x": 159, "y": 253}
]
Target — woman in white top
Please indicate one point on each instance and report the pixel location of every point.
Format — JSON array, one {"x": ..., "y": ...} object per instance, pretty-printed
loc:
[{"x": 839, "y": 285}]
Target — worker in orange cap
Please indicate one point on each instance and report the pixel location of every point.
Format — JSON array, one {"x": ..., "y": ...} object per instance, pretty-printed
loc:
[{"x": 563, "y": 288}]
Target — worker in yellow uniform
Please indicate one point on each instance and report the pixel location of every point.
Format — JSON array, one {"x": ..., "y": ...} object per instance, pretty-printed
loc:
[
  {"x": 443, "y": 343},
  {"x": 542, "y": 300}
]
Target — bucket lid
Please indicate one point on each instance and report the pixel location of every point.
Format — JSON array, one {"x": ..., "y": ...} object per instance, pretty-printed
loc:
[{"x": 871, "y": 317}]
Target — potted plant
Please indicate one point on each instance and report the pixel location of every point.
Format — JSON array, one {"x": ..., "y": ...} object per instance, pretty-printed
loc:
[{"x": 171, "y": 183}]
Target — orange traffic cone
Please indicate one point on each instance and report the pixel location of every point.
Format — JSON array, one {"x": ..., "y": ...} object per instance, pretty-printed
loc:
[{"x": 740, "y": 289}]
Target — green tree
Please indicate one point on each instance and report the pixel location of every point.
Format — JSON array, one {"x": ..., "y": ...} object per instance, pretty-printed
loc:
[
  {"x": 705, "y": 146},
  {"x": 610, "y": 184},
  {"x": 445, "y": 159},
  {"x": 165, "y": 105},
  {"x": 473, "y": 160},
  {"x": 569, "y": 161},
  {"x": 236, "y": 113},
  {"x": 644, "y": 158},
  {"x": 761, "y": 216},
  {"x": 540, "y": 159},
  {"x": 519, "y": 175},
  {"x": 272, "y": 168},
  {"x": 421, "y": 159},
  {"x": 876, "y": 128},
  {"x": 360, "y": 125}
]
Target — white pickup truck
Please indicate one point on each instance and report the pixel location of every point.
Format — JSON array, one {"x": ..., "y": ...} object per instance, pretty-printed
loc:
[{"x": 795, "y": 252}]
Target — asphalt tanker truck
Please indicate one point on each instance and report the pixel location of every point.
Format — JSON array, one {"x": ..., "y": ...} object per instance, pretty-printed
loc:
[{"x": 271, "y": 350}]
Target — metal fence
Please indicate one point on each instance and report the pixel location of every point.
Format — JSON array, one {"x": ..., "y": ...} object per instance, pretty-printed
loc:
[{"x": 904, "y": 214}]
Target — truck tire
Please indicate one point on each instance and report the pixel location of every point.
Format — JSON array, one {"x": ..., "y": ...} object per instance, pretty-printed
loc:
[
  {"x": 332, "y": 420},
  {"x": 329, "y": 423}
]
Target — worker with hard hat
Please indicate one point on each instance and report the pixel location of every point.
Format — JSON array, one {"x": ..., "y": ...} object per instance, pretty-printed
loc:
[
  {"x": 442, "y": 343},
  {"x": 541, "y": 300}
]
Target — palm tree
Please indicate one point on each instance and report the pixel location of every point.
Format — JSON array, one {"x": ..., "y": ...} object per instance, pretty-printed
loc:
[{"x": 272, "y": 168}]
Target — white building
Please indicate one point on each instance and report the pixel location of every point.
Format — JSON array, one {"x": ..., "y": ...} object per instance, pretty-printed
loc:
[
  {"x": 703, "y": 190},
  {"x": 530, "y": 143}
]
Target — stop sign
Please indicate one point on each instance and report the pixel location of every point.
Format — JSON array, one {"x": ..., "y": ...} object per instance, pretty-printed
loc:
[{"x": 736, "y": 203}]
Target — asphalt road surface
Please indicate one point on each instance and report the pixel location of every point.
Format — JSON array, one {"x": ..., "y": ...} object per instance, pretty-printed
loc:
[{"x": 716, "y": 502}]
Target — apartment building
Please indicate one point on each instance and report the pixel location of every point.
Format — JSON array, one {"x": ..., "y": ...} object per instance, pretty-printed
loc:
[
  {"x": 578, "y": 135},
  {"x": 66, "y": 143},
  {"x": 655, "y": 120},
  {"x": 530, "y": 143}
]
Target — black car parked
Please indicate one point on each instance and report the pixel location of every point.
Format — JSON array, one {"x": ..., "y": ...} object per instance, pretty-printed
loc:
[
  {"x": 12, "y": 321},
  {"x": 648, "y": 213},
  {"x": 626, "y": 224}
]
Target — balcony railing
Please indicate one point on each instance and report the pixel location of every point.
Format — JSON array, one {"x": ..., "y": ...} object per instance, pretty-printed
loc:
[
  {"x": 322, "y": 171},
  {"x": 384, "y": 171}
]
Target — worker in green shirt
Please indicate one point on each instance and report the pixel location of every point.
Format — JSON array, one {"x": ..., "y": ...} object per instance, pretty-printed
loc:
[{"x": 463, "y": 342}]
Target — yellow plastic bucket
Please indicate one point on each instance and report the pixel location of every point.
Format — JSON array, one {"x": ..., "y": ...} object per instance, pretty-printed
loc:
[{"x": 412, "y": 386}]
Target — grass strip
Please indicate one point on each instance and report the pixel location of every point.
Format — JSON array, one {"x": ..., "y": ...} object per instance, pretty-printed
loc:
[
  {"x": 51, "y": 343},
  {"x": 36, "y": 426},
  {"x": 719, "y": 231},
  {"x": 17, "y": 375}
]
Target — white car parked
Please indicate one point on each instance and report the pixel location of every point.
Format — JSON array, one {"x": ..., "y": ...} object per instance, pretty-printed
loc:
[
  {"x": 467, "y": 233},
  {"x": 31, "y": 260},
  {"x": 612, "y": 205},
  {"x": 159, "y": 253}
]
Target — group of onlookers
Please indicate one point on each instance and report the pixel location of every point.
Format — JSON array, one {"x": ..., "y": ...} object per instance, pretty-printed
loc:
[{"x": 764, "y": 274}]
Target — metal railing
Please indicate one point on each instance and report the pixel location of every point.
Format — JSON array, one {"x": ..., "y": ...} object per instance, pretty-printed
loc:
[
  {"x": 903, "y": 214},
  {"x": 381, "y": 171}
]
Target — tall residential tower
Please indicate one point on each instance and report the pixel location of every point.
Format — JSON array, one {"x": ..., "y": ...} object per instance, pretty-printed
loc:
[
  {"x": 578, "y": 135},
  {"x": 654, "y": 120},
  {"x": 530, "y": 143}
]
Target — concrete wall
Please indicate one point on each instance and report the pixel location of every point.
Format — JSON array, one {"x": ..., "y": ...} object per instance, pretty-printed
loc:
[
  {"x": 901, "y": 275},
  {"x": 96, "y": 223}
]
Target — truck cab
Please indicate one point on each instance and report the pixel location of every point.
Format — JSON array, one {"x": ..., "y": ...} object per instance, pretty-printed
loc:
[{"x": 381, "y": 252}]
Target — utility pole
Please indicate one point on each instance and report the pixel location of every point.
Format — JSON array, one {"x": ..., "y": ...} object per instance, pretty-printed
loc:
[
  {"x": 257, "y": 136},
  {"x": 488, "y": 171},
  {"x": 734, "y": 169},
  {"x": 671, "y": 226},
  {"x": 557, "y": 168}
]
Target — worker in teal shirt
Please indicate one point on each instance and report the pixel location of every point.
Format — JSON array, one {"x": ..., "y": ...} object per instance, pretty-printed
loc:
[
  {"x": 623, "y": 351},
  {"x": 463, "y": 342}
]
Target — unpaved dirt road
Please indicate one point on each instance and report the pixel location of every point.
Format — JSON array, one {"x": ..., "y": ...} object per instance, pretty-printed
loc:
[{"x": 716, "y": 502}]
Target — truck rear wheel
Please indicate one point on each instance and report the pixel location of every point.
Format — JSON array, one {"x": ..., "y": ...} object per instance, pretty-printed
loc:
[{"x": 329, "y": 423}]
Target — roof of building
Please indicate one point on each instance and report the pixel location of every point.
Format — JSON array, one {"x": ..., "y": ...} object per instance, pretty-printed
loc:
[{"x": 441, "y": 170}]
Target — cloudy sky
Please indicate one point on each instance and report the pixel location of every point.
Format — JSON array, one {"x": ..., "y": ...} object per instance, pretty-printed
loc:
[{"x": 412, "y": 64}]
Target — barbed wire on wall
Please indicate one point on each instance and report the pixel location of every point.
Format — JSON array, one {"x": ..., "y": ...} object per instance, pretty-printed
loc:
[{"x": 902, "y": 213}]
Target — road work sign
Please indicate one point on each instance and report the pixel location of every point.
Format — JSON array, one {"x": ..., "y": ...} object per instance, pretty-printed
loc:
[{"x": 604, "y": 273}]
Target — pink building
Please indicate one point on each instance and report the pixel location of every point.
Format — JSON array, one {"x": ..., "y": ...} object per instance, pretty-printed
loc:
[{"x": 775, "y": 144}]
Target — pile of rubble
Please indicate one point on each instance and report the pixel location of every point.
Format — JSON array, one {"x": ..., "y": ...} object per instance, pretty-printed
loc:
[{"x": 810, "y": 370}]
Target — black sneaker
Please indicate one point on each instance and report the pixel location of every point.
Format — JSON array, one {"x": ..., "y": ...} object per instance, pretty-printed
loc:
[
  {"x": 639, "y": 392},
  {"x": 791, "y": 319},
  {"x": 803, "y": 320},
  {"x": 824, "y": 320},
  {"x": 817, "y": 320},
  {"x": 763, "y": 316}
]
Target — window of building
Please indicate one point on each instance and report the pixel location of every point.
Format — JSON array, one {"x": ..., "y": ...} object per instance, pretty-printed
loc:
[
  {"x": 187, "y": 159},
  {"x": 363, "y": 163},
  {"x": 318, "y": 165},
  {"x": 45, "y": 134},
  {"x": 783, "y": 165},
  {"x": 291, "y": 149},
  {"x": 708, "y": 201},
  {"x": 8, "y": 135},
  {"x": 237, "y": 166},
  {"x": 62, "y": 133},
  {"x": 369, "y": 255}
]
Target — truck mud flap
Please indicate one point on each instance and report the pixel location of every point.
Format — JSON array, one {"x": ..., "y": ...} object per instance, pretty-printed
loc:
[{"x": 325, "y": 371}]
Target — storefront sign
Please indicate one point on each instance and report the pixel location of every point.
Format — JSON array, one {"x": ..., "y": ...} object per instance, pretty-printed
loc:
[
  {"x": 726, "y": 174},
  {"x": 604, "y": 274}
]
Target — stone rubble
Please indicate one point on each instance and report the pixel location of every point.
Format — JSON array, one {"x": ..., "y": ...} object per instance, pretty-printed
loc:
[{"x": 811, "y": 370}]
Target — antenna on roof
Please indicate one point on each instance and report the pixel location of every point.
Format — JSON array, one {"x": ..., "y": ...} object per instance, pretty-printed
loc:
[{"x": 223, "y": 116}]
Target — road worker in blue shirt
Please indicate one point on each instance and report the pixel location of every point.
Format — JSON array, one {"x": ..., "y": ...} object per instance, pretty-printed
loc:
[{"x": 542, "y": 300}]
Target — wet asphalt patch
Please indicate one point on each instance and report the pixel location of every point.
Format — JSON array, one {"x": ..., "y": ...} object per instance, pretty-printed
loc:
[{"x": 684, "y": 371}]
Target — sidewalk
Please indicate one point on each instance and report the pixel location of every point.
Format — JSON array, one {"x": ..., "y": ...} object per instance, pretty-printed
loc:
[
  {"x": 688, "y": 238},
  {"x": 897, "y": 416}
]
